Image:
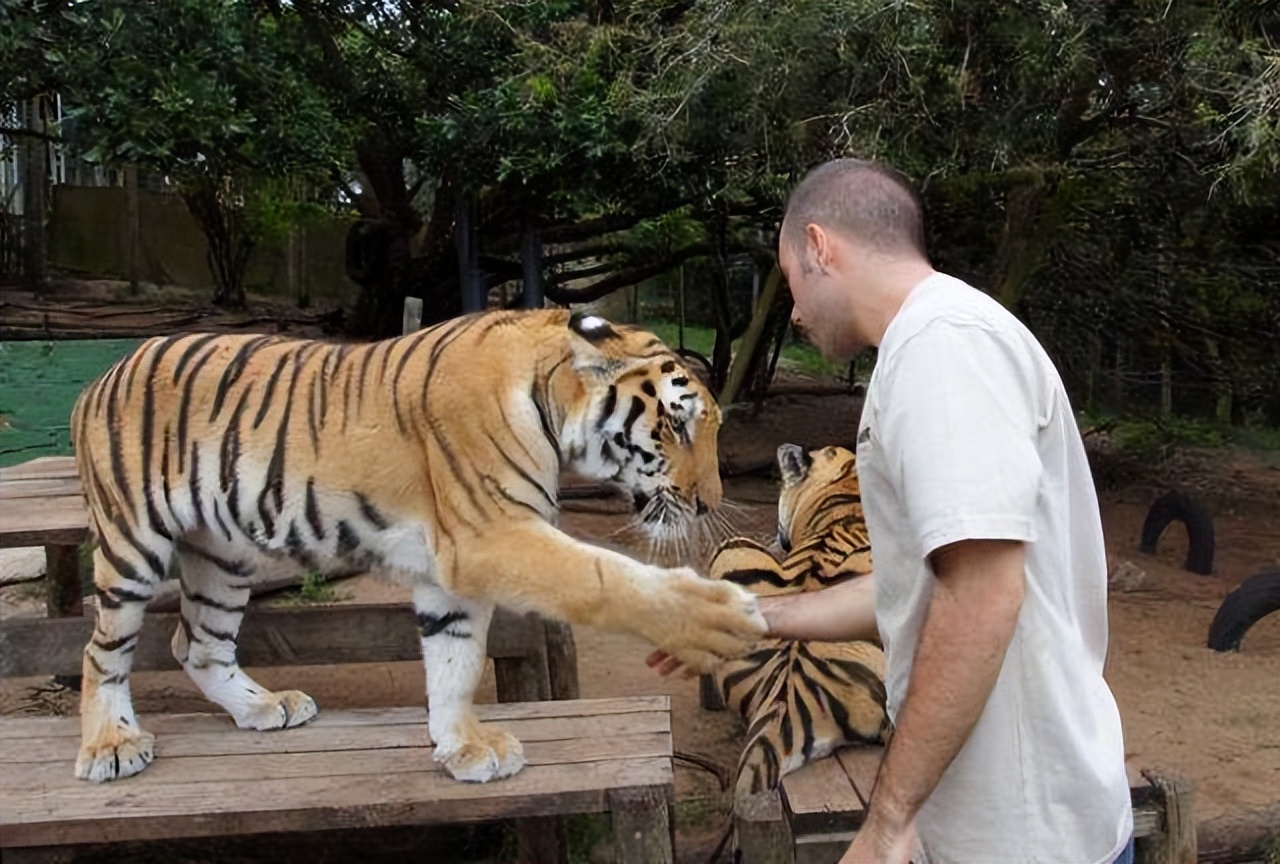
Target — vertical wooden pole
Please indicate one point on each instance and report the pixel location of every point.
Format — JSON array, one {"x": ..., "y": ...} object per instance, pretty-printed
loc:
[
  {"x": 133, "y": 225},
  {"x": 35, "y": 166},
  {"x": 531, "y": 258},
  {"x": 642, "y": 824},
  {"x": 1176, "y": 844},
  {"x": 762, "y": 835},
  {"x": 466, "y": 237}
]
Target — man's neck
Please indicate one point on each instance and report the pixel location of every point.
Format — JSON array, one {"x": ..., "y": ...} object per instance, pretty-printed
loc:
[{"x": 889, "y": 284}]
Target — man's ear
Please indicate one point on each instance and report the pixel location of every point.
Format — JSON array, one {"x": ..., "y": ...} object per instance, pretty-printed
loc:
[
  {"x": 818, "y": 248},
  {"x": 592, "y": 331},
  {"x": 793, "y": 462}
]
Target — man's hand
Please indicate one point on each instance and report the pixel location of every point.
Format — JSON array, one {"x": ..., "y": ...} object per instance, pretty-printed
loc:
[
  {"x": 843, "y": 612},
  {"x": 873, "y": 847}
]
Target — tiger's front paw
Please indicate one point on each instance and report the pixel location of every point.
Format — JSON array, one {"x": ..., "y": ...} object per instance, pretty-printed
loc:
[
  {"x": 282, "y": 710},
  {"x": 118, "y": 751},
  {"x": 704, "y": 622},
  {"x": 484, "y": 753}
]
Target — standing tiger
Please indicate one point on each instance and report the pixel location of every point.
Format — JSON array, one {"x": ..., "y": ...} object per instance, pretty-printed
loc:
[
  {"x": 432, "y": 458},
  {"x": 801, "y": 700}
]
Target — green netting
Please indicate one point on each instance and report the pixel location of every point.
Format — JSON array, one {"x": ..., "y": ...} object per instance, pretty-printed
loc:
[{"x": 39, "y": 382}]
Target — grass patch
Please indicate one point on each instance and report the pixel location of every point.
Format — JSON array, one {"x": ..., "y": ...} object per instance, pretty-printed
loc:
[
  {"x": 1154, "y": 439},
  {"x": 795, "y": 355},
  {"x": 314, "y": 589}
]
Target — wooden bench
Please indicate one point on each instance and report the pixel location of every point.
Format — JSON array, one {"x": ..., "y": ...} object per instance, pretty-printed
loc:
[
  {"x": 345, "y": 769},
  {"x": 813, "y": 818},
  {"x": 41, "y": 505}
]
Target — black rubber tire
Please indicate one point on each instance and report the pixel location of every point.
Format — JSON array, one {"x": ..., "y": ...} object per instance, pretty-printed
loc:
[
  {"x": 1255, "y": 598},
  {"x": 1178, "y": 506}
]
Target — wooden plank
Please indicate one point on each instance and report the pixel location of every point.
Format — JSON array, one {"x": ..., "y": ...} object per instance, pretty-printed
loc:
[
  {"x": 56, "y": 778},
  {"x": 57, "y": 727},
  {"x": 61, "y": 521},
  {"x": 44, "y": 468},
  {"x": 861, "y": 764},
  {"x": 281, "y": 805},
  {"x": 321, "y": 739},
  {"x": 51, "y": 487},
  {"x": 269, "y": 636},
  {"x": 820, "y": 799}
]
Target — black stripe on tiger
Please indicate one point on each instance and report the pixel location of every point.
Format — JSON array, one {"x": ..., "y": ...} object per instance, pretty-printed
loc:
[
  {"x": 184, "y": 405},
  {"x": 231, "y": 374},
  {"x": 430, "y": 624}
]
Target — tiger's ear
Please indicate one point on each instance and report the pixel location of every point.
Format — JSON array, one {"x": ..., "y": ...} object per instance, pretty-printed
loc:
[
  {"x": 793, "y": 461},
  {"x": 593, "y": 328},
  {"x": 592, "y": 331}
]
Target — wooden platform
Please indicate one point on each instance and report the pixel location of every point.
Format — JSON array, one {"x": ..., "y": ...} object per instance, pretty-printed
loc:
[
  {"x": 359, "y": 768},
  {"x": 815, "y": 814}
]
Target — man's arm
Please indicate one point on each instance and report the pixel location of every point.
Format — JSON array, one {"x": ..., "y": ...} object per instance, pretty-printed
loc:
[
  {"x": 843, "y": 612},
  {"x": 967, "y": 629}
]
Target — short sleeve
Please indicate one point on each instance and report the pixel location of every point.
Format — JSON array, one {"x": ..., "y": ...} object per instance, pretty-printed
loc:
[{"x": 958, "y": 431}]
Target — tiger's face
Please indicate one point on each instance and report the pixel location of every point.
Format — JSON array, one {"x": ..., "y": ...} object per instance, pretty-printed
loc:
[
  {"x": 649, "y": 427},
  {"x": 811, "y": 481}
]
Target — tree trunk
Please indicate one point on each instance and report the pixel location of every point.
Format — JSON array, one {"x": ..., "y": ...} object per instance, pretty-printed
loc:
[
  {"x": 752, "y": 349},
  {"x": 222, "y": 221},
  {"x": 34, "y": 179}
]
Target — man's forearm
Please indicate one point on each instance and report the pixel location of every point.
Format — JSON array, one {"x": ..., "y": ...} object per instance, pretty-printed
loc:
[
  {"x": 842, "y": 612},
  {"x": 967, "y": 629}
]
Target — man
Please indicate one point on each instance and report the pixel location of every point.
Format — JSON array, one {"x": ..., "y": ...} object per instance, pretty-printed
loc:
[{"x": 989, "y": 591}]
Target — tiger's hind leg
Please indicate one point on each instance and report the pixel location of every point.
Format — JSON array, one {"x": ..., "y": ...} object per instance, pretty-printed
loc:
[
  {"x": 454, "y": 634},
  {"x": 215, "y": 592},
  {"x": 126, "y": 569}
]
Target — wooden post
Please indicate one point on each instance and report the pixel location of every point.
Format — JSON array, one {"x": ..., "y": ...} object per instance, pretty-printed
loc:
[
  {"x": 412, "y": 321},
  {"x": 133, "y": 225},
  {"x": 466, "y": 237},
  {"x": 1176, "y": 843},
  {"x": 531, "y": 258},
  {"x": 762, "y": 835},
  {"x": 562, "y": 660},
  {"x": 62, "y": 582},
  {"x": 63, "y": 595},
  {"x": 545, "y": 839},
  {"x": 747, "y": 349},
  {"x": 642, "y": 826},
  {"x": 35, "y": 167}
]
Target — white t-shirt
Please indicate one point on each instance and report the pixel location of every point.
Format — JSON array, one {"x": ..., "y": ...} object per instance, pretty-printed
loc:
[{"x": 966, "y": 433}]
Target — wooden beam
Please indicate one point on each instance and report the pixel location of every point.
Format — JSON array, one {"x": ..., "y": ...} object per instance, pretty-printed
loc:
[
  {"x": 747, "y": 348},
  {"x": 270, "y": 636}
]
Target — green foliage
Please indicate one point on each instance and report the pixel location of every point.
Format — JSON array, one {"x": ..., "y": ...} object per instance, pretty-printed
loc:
[
  {"x": 314, "y": 589},
  {"x": 1108, "y": 170}
]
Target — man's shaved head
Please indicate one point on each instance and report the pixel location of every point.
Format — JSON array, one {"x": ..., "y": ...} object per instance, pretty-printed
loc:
[{"x": 863, "y": 201}]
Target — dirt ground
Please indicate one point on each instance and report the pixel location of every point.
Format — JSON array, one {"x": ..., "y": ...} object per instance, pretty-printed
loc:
[{"x": 1213, "y": 717}]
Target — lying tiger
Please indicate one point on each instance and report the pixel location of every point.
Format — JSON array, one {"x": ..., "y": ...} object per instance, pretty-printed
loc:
[
  {"x": 432, "y": 458},
  {"x": 803, "y": 700}
]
